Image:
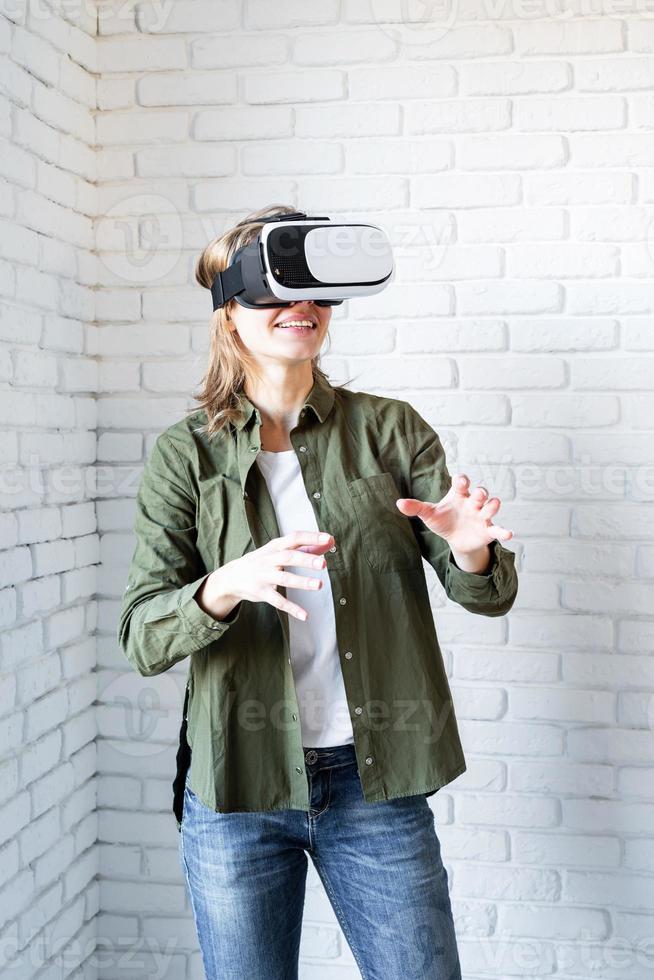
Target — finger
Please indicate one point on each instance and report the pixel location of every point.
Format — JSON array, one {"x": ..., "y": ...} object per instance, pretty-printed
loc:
[
  {"x": 478, "y": 496},
  {"x": 314, "y": 549},
  {"x": 311, "y": 541},
  {"x": 411, "y": 507},
  {"x": 461, "y": 484},
  {"x": 294, "y": 539},
  {"x": 293, "y": 581},
  {"x": 276, "y": 599},
  {"x": 500, "y": 533},
  {"x": 303, "y": 559},
  {"x": 491, "y": 507}
]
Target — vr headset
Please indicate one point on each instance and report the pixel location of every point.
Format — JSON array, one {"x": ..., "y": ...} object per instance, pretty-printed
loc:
[{"x": 294, "y": 257}]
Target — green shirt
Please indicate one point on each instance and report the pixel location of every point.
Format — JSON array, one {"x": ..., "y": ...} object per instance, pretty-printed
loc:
[{"x": 201, "y": 503}]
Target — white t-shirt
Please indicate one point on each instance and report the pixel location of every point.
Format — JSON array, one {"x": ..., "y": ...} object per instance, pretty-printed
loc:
[{"x": 324, "y": 714}]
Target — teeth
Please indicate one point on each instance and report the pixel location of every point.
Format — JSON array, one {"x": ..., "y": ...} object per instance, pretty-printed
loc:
[{"x": 296, "y": 323}]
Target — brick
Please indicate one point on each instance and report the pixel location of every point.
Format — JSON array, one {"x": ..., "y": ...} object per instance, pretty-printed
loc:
[
  {"x": 402, "y": 82},
  {"x": 158, "y": 126},
  {"x": 579, "y": 188},
  {"x": 15, "y": 566},
  {"x": 525, "y": 296},
  {"x": 35, "y": 369},
  {"x": 562, "y": 261},
  {"x": 350, "y": 120},
  {"x": 400, "y": 156},
  {"x": 580, "y": 36},
  {"x": 519, "y": 77},
  {"x": 511, "y": 224},
  {"x": 465, "y": 190},
  {"x": 294, "y": 13},
  {"x": 451, "y": 40},
  {"x": 320, "y": 157},
  {"x": 457, "y": 116},
  {"x": 507, "y": 810},
  {"x": 239, "y": 51},
  {"x": 141, "y": 54},
  {"x": 186, "y": 161},
  {"x": 134, "y": 339},
  {"x": 571, "y": 113},
  {"x": 347, "y": 47},
  {"x": 241, "y": 195},
  {"x": 243, "y": 123},
  {"x": 196, "y": 16},
  {"x": 321, "y": 84}
]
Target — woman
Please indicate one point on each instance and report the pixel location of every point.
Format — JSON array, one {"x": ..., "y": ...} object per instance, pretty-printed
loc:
[{"x": 280, "y": 536}]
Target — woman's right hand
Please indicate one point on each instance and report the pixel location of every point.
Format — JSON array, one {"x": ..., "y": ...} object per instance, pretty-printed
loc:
[{"x": 256, "y": 575}]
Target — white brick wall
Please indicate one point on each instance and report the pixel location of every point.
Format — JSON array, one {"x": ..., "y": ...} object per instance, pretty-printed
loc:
[
  {"x": 49, "y": 855},
  {"x": 507, "y": 149}
]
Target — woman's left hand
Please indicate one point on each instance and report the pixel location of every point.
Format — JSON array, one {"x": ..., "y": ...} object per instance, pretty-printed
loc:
[{"x": 463, "y": 518}]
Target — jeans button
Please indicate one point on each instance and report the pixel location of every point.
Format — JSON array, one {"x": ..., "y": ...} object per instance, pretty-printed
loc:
[{"x": 311, "y": 756}]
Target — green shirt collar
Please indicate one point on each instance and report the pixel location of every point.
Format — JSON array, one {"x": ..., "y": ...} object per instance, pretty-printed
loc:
[{"x": 320, "y": 399}]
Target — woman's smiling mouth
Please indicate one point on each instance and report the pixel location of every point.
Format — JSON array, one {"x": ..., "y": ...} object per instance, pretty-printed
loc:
[{"x": 299, "y": 326}]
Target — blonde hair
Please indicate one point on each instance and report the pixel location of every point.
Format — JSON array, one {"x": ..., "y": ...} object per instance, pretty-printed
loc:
[{"x": 229, "y": 364}]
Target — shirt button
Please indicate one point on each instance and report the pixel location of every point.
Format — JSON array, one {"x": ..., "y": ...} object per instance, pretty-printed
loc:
[
  {"x": 254, "y": 449},
  {"x": 348, "y": 654},
  {"x": 317, "y": 495},
  {"x": 245, "y": 495},
  {"x": 289, "y": 660},
  {"x": 294, "y": 717},
  {"x": 358, "y": 710},
  {"x": 333, "y": 549},
  {"x": 303, "y": 449},
  {"x": 369, "y": 760},
  {"x": 297, "y": 769},
  {"x": 342, "y": 600}
]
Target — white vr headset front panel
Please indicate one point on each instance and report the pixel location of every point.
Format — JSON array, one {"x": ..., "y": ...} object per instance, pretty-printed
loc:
[
  {"x": 343, "y": 254},
  {"x": 356, "y": 257}
]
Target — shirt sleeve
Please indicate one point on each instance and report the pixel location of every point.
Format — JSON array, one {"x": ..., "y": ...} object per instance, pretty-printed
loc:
[
  {"x": 160, "y": 621},
  {"x": 489, "y": 594}
]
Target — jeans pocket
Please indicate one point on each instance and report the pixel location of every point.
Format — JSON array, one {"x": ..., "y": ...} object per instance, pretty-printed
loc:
[{"x": 188, "y": 792}]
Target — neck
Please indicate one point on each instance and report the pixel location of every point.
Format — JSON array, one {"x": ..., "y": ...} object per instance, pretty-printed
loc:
[{"x": 279, "y": 396}]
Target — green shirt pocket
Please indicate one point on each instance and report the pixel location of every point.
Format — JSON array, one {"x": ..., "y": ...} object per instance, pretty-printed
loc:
[{"x": 387, "y": 537}]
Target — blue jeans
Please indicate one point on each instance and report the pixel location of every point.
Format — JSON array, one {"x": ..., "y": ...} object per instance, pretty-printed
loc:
[{"x": 380, "y": 865}]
